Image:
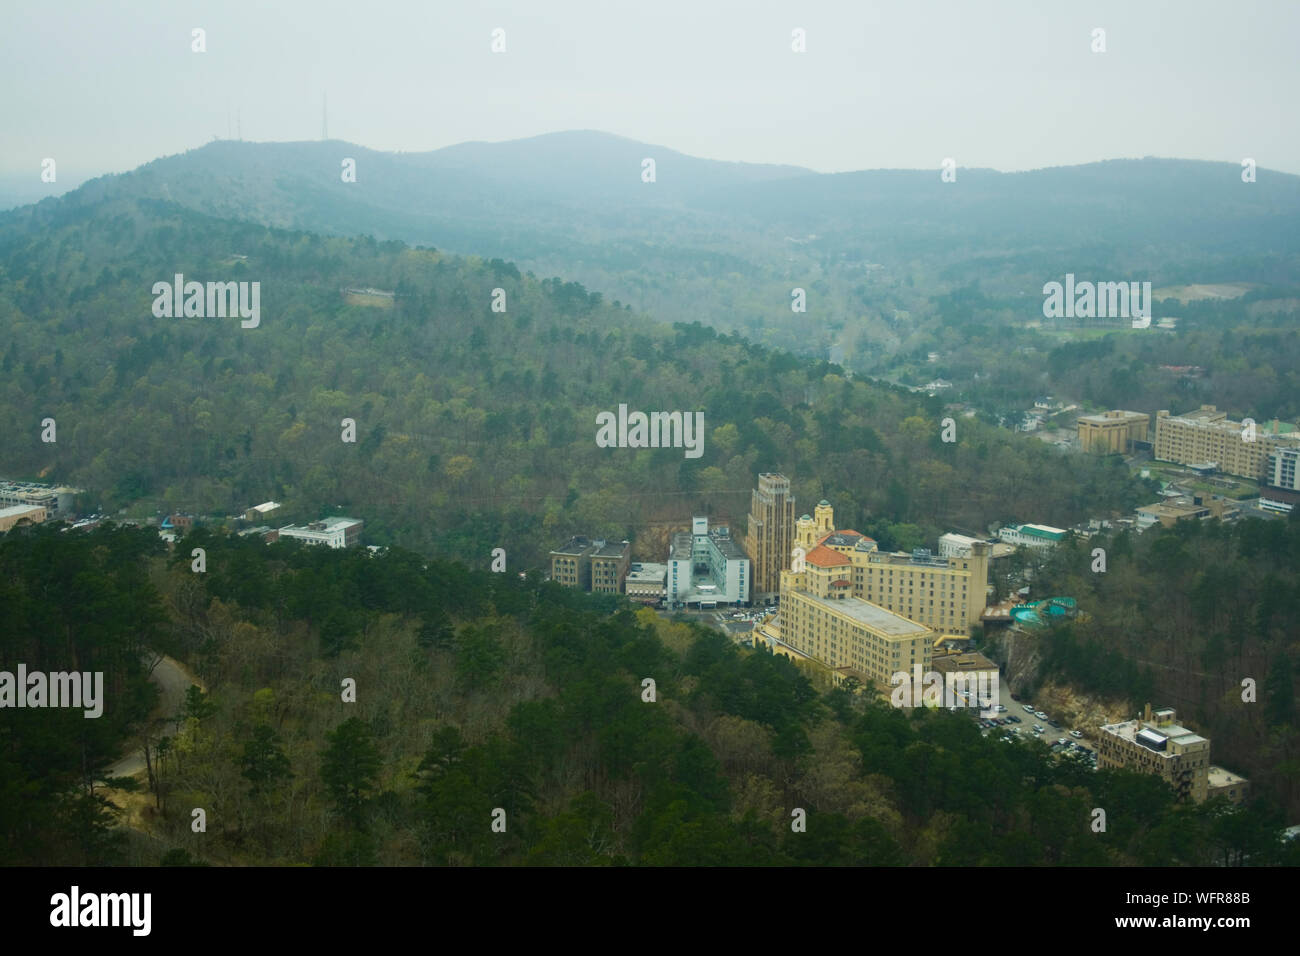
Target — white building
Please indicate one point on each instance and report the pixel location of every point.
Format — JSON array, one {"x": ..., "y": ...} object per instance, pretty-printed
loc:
[
  {"x": 1284, "y": 469},
  {"x": 1033, "y": 535},
  {"x": 707, "y": 567},
  {"x": 956, "y": 545},
  {"x": 259, "y": 512},
  {"x": 336, "y": 532}
]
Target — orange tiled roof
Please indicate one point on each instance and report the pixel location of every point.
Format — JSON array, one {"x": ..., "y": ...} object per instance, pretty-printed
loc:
[{"x": 824, "y": 557}]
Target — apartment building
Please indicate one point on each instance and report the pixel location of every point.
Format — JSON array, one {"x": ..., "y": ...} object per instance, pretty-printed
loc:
[
  {"x": 944, "y": 594},
  {"x": 571, "y": 563},
  {"x": 1112, "y": 431},
  {"x": 820, "y": 617},
  {"x": 1284, "y": 468},
  {"x": 593, "y": 565},
  {"x": 1158, "y": 745},
  {"x": 1208, "y": 435},
  {"x": 609, "y": 566},
  {"x": 769, "y": 537}
]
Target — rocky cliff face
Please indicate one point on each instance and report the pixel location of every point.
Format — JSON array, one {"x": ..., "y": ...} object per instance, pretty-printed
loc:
[{"x": 1018, "y": 655}]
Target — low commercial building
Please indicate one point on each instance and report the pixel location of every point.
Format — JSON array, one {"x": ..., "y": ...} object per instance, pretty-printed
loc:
[
  {"x": 1157, "y": 744},
  {"x": 1112, "y": 431},
  {"x": 647, "y": 582},
  {"x": 336, "y": 532},
  {"x": 59, "y": 501},
  {"x": 1278, "y": 500},
  {"x": 19, "y": 514},
  {"x": 953, "y": 545},
  {"x": 1224, "y": 783},
  {"x": 1039, "y": 536},
  {"x": 260, "y": 512},
  {"x": 1183, "y": 508}
]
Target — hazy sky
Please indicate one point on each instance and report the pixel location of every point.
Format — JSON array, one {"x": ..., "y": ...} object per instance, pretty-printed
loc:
[{"x": 1012, "y": 85}]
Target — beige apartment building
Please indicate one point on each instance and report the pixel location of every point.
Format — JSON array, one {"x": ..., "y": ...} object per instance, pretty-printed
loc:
[
  {"x": 609, "y": 566},
  {"x": 1112, "y": 431},
  {"x": 597, "y": 566},
  {"x": 820, "y": 618},
  {"x": 1208, "y": 435},
  {"x": 19, "y": 514},
  {"x": 1157, "y": 744},
  {"x": 944, "y": 594},
  {"x": 770, "y": 534}
]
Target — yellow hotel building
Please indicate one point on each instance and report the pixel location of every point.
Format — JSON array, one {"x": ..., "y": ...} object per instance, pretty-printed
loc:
[{"x": 946, "y": 595}]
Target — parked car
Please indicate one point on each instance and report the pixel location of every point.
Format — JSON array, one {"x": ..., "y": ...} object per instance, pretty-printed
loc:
[
  {"x": 1014, "y": 719},
  {"x": 1076, "y": 733},
  {"x": 1028, "y": 707},
  {"x": 1062, "y": 742},
  {"x": 1040, "y": 715},
  {"x": 1038, "y": 729}
]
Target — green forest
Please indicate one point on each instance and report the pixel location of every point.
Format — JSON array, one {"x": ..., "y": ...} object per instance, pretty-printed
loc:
[
  {"x": 474, "y": 429},
  {"x": 483, "y": 699},
  {"x": 1180, "y": 617}
]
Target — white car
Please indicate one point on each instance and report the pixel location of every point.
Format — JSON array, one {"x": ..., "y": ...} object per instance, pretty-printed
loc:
[
  {"x": 1029, "y": 708},
  {"x": 1040, "y": 715},
  {"x": 1076, "y": 734}
]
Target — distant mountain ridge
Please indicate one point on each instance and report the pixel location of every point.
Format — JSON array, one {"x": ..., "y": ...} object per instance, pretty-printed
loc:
[{"x": 726, "y": 243}]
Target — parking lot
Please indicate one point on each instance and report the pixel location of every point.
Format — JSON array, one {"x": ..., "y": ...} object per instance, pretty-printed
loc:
[{"x": 1052, "y": 729}]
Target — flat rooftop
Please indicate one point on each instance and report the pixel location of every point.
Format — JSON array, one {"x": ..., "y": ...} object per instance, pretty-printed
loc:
[
  {"x": 574, "y": 546},
  {"x": 19, "y": 510},
  {"x": 869, "y": 615},
  {"x": 1129, "y": 729},
  {"x": 1221, "y": 777},
  {"x": 682, "y": 546},
  {"x": 969, "y": 661}
]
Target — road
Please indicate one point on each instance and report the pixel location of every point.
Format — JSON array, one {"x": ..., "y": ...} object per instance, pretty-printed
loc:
[
  {"x": 173, "y": 680},
  {"x": 1025, "y": 729}
]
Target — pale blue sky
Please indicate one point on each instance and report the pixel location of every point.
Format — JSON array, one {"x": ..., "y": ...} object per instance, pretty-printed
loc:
[{"x": 1010, "y": 85}]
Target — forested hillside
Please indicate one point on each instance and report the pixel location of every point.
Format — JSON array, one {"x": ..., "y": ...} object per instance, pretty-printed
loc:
[
  {"x": 1181, "y": 617},
  {"x": 478, "y": 695},
  {"x": 725, "y": 243},
  {"x": 475, "y": 429}
]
